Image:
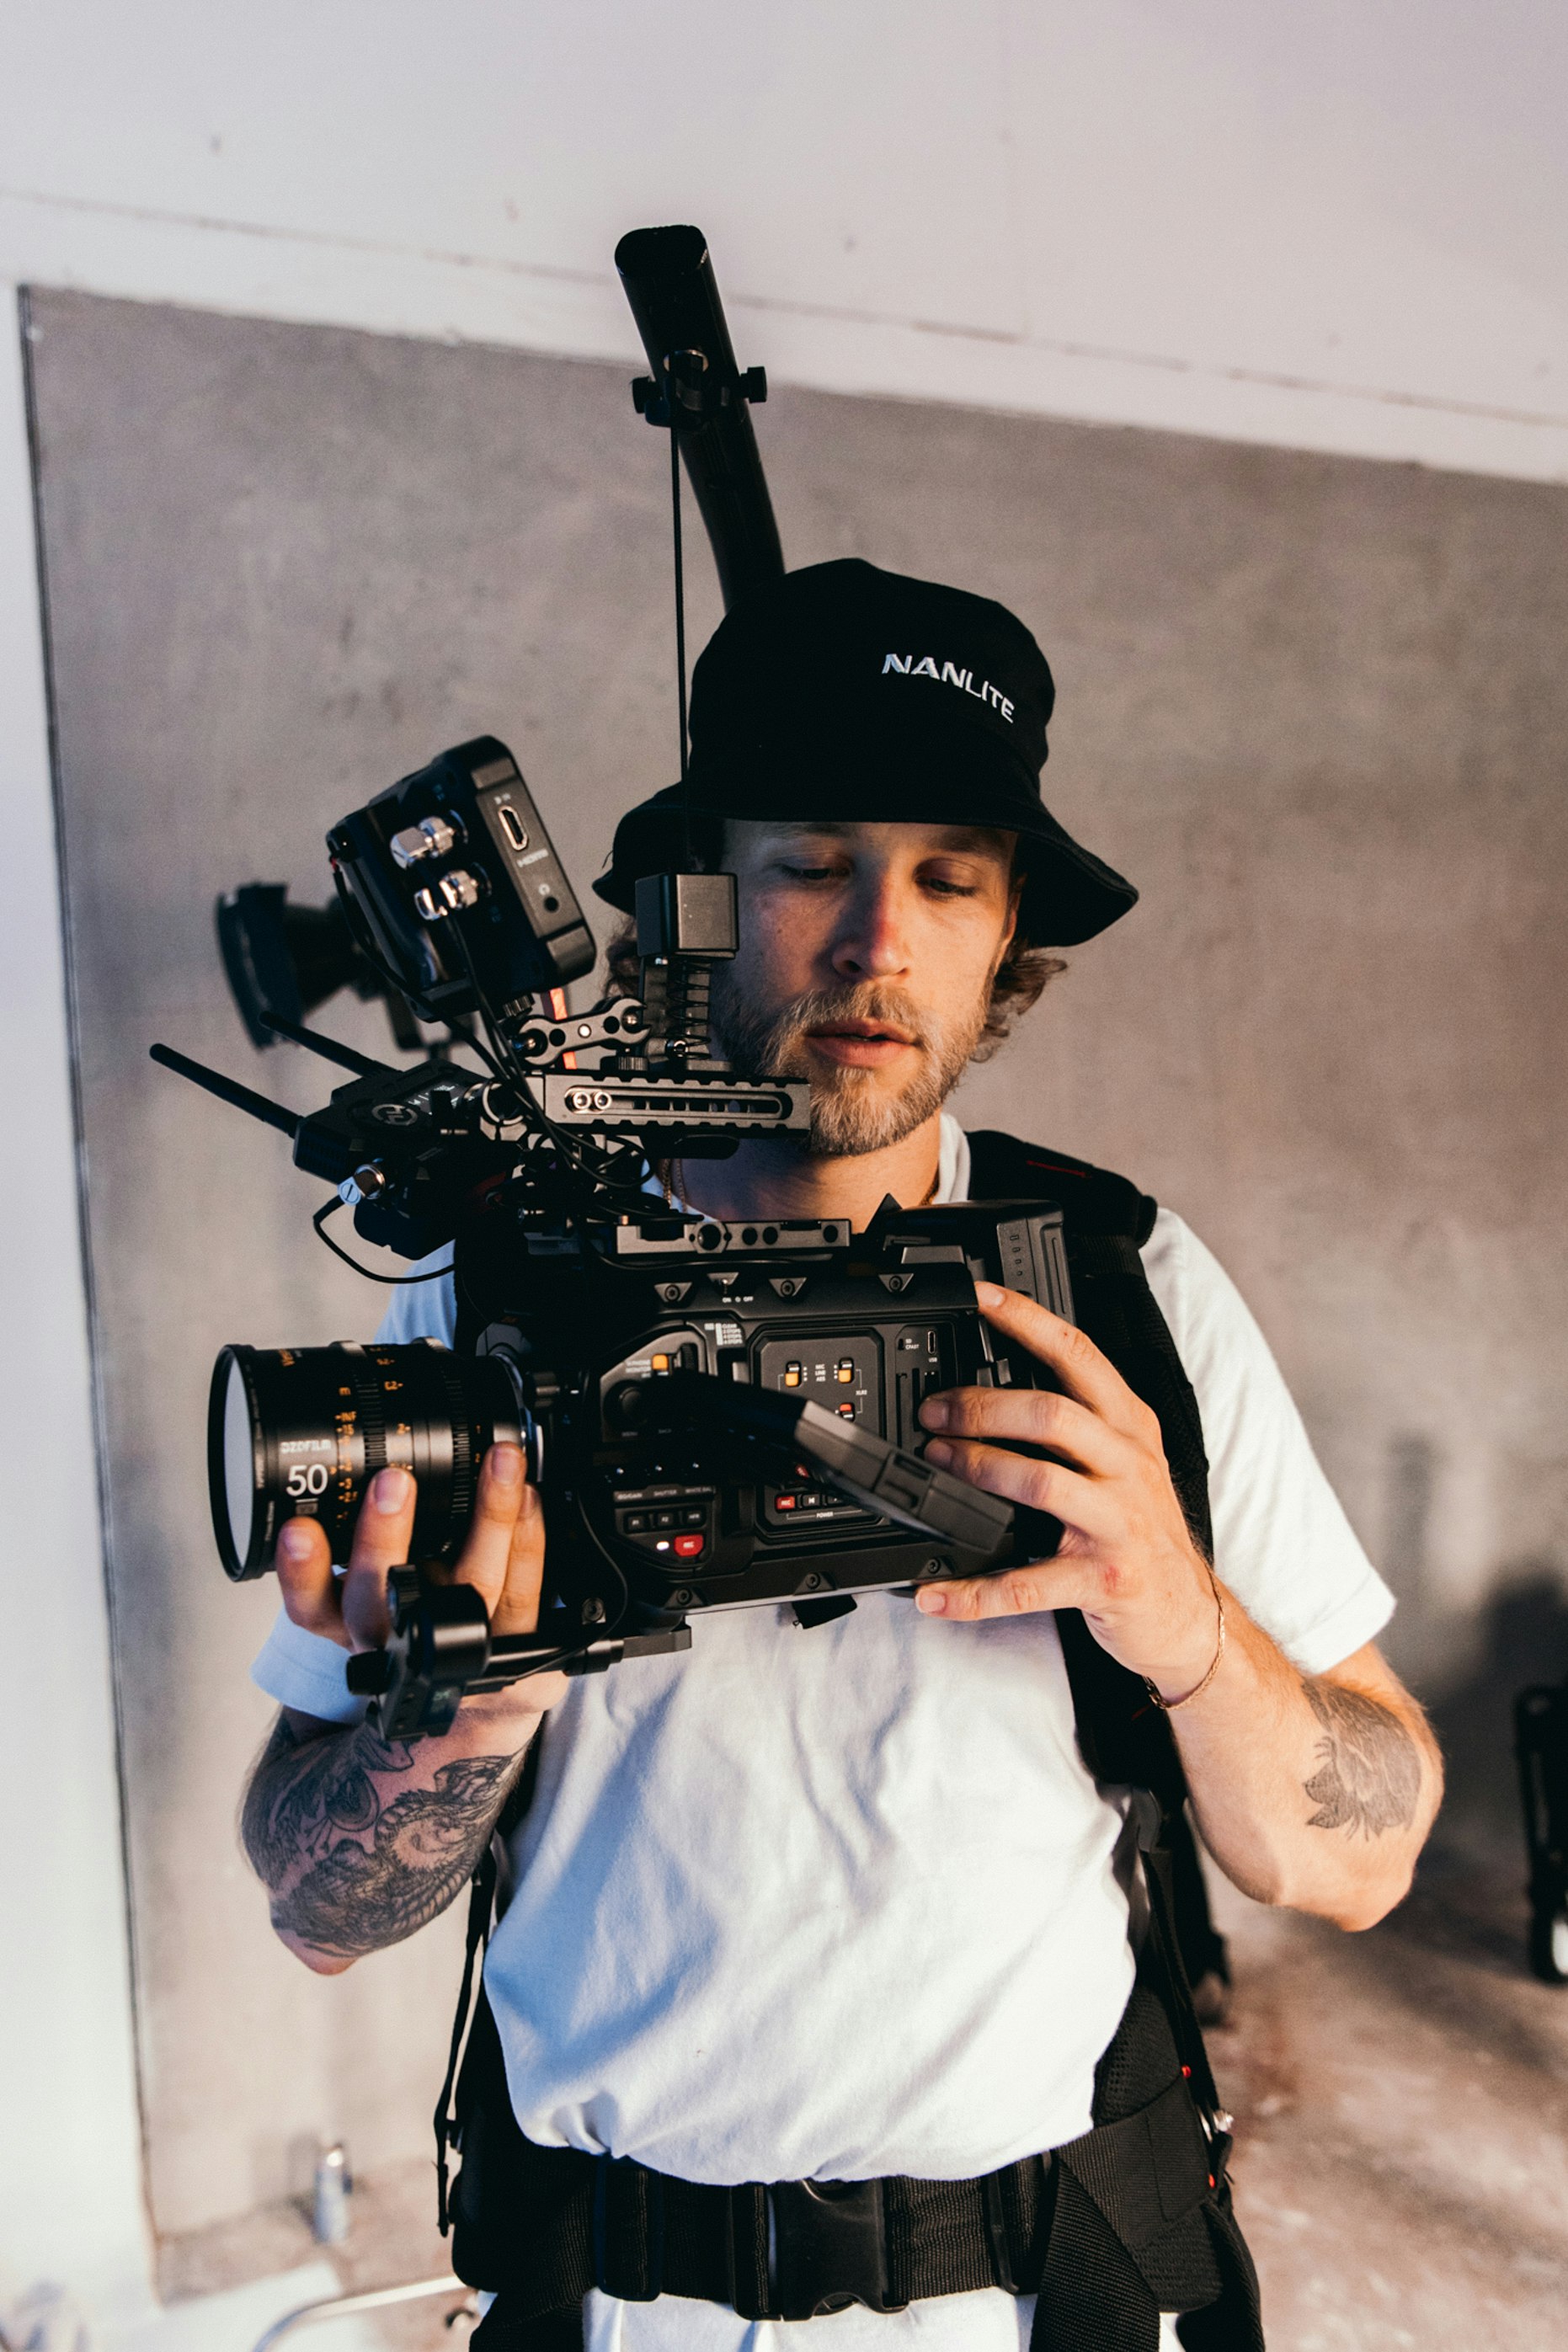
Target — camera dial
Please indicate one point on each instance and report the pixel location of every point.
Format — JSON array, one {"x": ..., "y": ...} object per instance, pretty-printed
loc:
[
  {"x": 452, "y": 895},
  {"x": 432, "y": 836}
]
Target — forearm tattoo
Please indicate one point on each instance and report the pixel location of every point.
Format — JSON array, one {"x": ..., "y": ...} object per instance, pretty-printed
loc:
[
  {"x": 1369, "y": 1770},
  {"x": 352, "y": 1864}
]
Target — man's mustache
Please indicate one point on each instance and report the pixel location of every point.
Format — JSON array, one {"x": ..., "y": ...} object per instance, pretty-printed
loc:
[{"x": 784, "y": 1031}]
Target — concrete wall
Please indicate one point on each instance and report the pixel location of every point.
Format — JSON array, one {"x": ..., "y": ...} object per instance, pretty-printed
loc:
[{"x": 1315, "y": 705}]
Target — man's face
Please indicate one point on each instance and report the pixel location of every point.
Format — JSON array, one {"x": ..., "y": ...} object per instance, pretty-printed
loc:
[{"x": 866, "y": 957}]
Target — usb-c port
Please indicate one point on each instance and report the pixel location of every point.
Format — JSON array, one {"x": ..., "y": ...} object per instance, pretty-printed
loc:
[{"x": 512, "y": 825}]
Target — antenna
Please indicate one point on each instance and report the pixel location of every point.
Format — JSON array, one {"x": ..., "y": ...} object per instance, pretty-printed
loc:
[
  {"x": 228, "y": 1090},
  {"x": 329, "y": 1048}
]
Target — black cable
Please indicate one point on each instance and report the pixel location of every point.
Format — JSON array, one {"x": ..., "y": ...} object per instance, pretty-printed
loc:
[
  {"x": 360, "y": 933},
  {"x": 417, "y": 1005},
  {"x": 515, "y": 1080},
  {"x": 389, "y": 1281},
  {"x": 529, "y": 1108},
  {"x": 490, "y": 1057}
]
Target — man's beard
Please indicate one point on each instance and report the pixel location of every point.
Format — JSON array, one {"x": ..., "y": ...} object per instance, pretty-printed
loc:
[{"x": 852, "y": 1110}]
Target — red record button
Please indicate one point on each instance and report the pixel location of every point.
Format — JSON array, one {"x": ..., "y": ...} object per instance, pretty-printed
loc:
[{"x": 687, "y": 1547}]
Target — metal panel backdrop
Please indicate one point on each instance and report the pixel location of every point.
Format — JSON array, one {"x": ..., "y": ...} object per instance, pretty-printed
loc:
[{"x": 1317, "y": 708}]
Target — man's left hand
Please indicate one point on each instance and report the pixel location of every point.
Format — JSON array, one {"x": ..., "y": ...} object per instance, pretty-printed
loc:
[{"x": 1127, "y": 1557}]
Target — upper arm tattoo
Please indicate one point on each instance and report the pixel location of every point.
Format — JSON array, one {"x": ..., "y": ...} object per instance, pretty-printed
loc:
[
  {"x": 352, "y": 1863},
  {"x": 1369, "y": 1768}
]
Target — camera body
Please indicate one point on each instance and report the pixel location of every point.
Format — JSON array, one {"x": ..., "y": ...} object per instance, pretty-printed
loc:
[{"x": 726, "y": 1412}]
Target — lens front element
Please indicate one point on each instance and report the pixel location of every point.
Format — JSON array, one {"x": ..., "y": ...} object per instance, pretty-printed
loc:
[
  {"x": 302, "y": 1432},
  {"x": 239, "y": 1463}
]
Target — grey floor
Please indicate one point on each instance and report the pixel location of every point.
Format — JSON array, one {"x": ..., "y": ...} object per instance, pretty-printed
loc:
[
  {"x": 1402, "y": 2100},
  {"x": 1402, "y": 2166}
]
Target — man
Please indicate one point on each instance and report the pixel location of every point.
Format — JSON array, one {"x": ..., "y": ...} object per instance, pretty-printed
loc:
[{"x": 845, "y": 1904}]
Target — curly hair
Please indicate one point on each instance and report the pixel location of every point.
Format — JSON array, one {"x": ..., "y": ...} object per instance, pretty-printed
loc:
[{"x": 1019, "y": 982}]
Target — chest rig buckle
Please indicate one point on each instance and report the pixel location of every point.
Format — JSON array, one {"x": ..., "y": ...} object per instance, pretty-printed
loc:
[{"x": 827, "y": 2247}]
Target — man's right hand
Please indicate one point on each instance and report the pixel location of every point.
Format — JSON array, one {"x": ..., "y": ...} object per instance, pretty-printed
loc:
[
  {"x": 503, "y": 1560},
  {"x": 359, "y": 1839}
]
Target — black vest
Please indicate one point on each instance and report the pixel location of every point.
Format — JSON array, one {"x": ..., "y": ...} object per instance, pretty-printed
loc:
[{"x": 1133, "y": 2218}]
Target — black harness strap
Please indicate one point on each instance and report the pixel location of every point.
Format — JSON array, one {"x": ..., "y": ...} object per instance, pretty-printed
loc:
[
  {"x": 1123, "y": 2222},
  {"x": 1106, "y": 1220},
  {"x": 1124, "y": 1740},
  {"x": 1127, "y": 1741},
  {"x": 482, "y": 1890}
]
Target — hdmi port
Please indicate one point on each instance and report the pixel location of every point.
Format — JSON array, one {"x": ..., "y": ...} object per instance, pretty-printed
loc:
[{"x": 512, "y": 825}]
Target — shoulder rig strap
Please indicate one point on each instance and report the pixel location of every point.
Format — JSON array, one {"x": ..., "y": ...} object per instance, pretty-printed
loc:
[
  {"x": 1106, "y": 1220},
  {"x": 1122, "y": 1736},
  {"x": 1095, "y": 1201}
]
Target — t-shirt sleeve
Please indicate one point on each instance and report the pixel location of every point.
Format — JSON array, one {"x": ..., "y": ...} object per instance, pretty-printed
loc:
[
  {"x": 304, "y": 1670},
  {"x": 1282, "y": 1542},
  {"x": 422, "y": 1310}
]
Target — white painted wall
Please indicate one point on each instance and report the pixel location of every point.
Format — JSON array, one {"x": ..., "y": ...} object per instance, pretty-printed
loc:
[
  {"x": 70, "y": 2180},
  {"x": 1341, "y": 226}
]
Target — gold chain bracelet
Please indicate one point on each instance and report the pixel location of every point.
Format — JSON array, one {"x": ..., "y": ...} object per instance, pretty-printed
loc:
[{"x": 1168, "y": 1706}]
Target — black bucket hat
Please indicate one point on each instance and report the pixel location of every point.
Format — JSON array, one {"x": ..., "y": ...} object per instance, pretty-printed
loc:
[{"x": 848, "y": 692}]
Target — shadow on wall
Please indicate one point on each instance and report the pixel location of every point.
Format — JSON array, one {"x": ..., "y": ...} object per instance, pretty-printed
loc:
[{"x": 1522, "y": 1638}]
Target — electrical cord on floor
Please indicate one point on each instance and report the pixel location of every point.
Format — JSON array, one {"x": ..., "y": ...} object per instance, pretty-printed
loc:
[{"x": 380, "y": 2298}]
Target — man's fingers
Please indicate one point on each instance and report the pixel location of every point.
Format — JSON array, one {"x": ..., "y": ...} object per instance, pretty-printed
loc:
[
  {"x": 502, "y": 1499},
  {"x": 383, "y": 1534},
  {"x": 311, "y": 1591},
  {"x": 1034, "y": 1417},
  {"x": 385, "y": 1527},
  {"x": 1071, "y": 1354},
  {"x": 1080, "y": 1503},
  {"x": 1014, "y": 1592},
  {"x": 517, "y": 1611}
]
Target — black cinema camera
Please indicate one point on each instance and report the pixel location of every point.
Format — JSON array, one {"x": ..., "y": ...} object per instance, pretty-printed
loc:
[{"x": 719, "y": 1414}]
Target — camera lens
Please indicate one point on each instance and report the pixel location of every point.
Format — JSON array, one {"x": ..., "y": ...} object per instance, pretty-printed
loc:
[{"x": 300, "y": 1432}]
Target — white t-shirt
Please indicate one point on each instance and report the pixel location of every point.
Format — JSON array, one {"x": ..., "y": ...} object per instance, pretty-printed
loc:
[{"x": 841, "y": 1903}]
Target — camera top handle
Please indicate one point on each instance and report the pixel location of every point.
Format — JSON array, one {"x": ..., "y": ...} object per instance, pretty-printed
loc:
[{"x": 674, "y": 296}]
